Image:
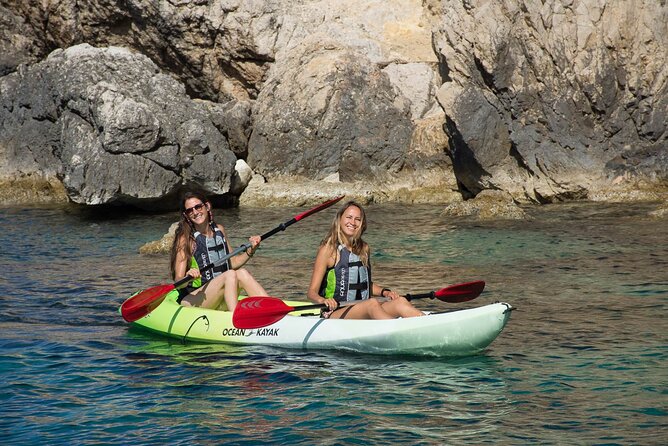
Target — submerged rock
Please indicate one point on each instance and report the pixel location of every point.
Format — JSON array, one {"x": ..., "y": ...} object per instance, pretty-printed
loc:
[
  {"x": 162, "y": 246},
  {"x": 31, "y": 189},
  {"x": 661, "y": 211},
  {"x": 488, "y": 205},
  {"x": 300, "y": 191}
]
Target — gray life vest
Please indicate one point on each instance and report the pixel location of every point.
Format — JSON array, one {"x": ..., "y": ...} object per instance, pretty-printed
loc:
[
  {"x": 348, "y": 280},
  {"x": 210, "y": 250}
]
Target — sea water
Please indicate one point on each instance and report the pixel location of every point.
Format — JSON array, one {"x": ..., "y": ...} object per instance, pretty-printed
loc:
[{"x": 583, "y": 359}]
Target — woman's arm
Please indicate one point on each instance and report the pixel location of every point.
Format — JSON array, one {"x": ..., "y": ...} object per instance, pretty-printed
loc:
[
  {"x": 242, "y": 258},
  {"x": 182, "y": 263},
  {"x": 323, "y": 260},
  {"x": 378, "y": 290}
]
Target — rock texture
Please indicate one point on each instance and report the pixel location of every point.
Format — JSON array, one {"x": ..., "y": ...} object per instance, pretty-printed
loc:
[
  {"x": 551, "y": 100},
  {"x": 488, "y": 205},
  {"x": 408, "y": 101},
  {"x": 330, "y": 111},
  {"x": 111, "y": 127}
]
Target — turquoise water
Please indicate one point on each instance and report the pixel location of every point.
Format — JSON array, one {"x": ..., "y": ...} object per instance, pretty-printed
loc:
[{"x": 583, "y": 359}]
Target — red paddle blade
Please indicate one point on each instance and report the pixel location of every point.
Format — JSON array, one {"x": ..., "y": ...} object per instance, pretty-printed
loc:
[
  {"x": 258, "y": 312},
  {"x": 462, "y": 292},
  {"x": 317, "y": 208},
  {"x": 142, "y": 303}
]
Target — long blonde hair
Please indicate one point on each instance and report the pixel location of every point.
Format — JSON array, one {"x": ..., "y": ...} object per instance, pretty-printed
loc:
[{"x": 335, "y": 235}]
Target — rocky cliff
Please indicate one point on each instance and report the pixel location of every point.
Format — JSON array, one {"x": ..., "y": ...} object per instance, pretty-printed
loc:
[{"x": 127, "y": 102}]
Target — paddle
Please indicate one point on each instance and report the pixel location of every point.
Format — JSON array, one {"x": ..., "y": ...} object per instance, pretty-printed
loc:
[
  {"x": 142, "y": 303},
  {"x": 453, "y": 294},
  {"x": 260, "y": 311}
]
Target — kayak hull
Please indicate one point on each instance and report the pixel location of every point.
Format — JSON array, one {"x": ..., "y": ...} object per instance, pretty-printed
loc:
[{"x": 453, "y": 333}]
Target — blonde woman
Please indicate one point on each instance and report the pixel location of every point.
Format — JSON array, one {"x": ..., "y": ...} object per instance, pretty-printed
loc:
[{"x": 342, "y": 273}]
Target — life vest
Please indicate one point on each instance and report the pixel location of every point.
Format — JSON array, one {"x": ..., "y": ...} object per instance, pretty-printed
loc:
[
  {"x": 348, "y": 279},
  {"x": 208, "y": 251}
]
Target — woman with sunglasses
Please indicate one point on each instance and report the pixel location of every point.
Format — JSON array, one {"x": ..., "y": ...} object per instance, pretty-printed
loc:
[{"x": 198, "y": 242}]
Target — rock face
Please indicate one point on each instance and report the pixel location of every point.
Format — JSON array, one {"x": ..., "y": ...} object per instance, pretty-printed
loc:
[
  {"x": 111, "y": 127},
  {"x": 550, "y": 100},
  {"x": 331, "y": 112},
  {"x": 127, "y": 102}
]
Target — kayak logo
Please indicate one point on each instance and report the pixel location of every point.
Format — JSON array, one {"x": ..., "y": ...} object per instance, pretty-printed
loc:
[
  {"x": 266, "y": 332},
  {"x": 246, "y": 333},
  {"x": 234, "y": 332}
]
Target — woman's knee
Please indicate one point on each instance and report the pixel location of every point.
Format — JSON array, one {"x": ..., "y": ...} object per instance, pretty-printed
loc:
[
  {"x": 245, "y": 277},
  {"x": 229, "y": 277},
  {"x": 243, "y": 274},
  {"x": 401, "y": 300}
]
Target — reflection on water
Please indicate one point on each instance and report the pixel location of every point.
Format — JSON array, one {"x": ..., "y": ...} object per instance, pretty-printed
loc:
[{"x": 581, "y": 361}]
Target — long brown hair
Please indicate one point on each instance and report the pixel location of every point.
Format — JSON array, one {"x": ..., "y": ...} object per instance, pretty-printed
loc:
[
  {"x": 185, "y": 230},
  {"x": 335, "y": 235}
]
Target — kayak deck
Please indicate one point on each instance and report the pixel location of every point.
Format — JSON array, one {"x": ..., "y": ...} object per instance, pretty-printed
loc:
[{"x": 452, "y": 333}]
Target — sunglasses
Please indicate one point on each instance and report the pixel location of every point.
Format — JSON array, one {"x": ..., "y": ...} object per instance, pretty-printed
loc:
[{"x": 197, "y": 207}]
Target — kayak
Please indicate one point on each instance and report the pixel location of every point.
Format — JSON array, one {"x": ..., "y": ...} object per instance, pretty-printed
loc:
[{"x": 453, "y": 333}]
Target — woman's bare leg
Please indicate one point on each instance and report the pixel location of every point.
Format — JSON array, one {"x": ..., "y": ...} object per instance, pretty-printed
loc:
[
  {"x": 365, "y": 309},
  {"x": 401, "y": 307},
  {"x": 230, "y": 289},
  {"x": 213, "y": 293},
  {"x": 249, "y": 284}
]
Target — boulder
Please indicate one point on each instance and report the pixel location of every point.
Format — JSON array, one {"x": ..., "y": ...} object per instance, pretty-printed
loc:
[{"x": 112, "y": 128}]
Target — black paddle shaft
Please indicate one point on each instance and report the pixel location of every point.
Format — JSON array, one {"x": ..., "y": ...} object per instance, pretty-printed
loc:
[
  {"x": 248, "y": 245},
  {"x": 430, "y": 295},
  {"x": 279, "y": 228}
]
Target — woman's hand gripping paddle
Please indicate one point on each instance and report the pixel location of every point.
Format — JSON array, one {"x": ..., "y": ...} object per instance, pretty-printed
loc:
[
  {"x": 260, "y": 311},
  {"x": 142, "y": 303}
]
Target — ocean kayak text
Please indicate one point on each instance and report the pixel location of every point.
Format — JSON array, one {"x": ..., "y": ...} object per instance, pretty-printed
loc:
[{"x": 245, "y": 332}]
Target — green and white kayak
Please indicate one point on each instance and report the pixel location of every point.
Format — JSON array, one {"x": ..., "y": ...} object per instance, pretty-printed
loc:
[{"x": 453, "y": 333}]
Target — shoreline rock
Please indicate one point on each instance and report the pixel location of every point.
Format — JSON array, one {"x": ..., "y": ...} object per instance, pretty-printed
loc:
[
  {"x": 299, "y": 191},
  {"x": 162, "y": 246},
  {"x": 488, "y": 205},
  {"x": 32, "y": 189}
]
